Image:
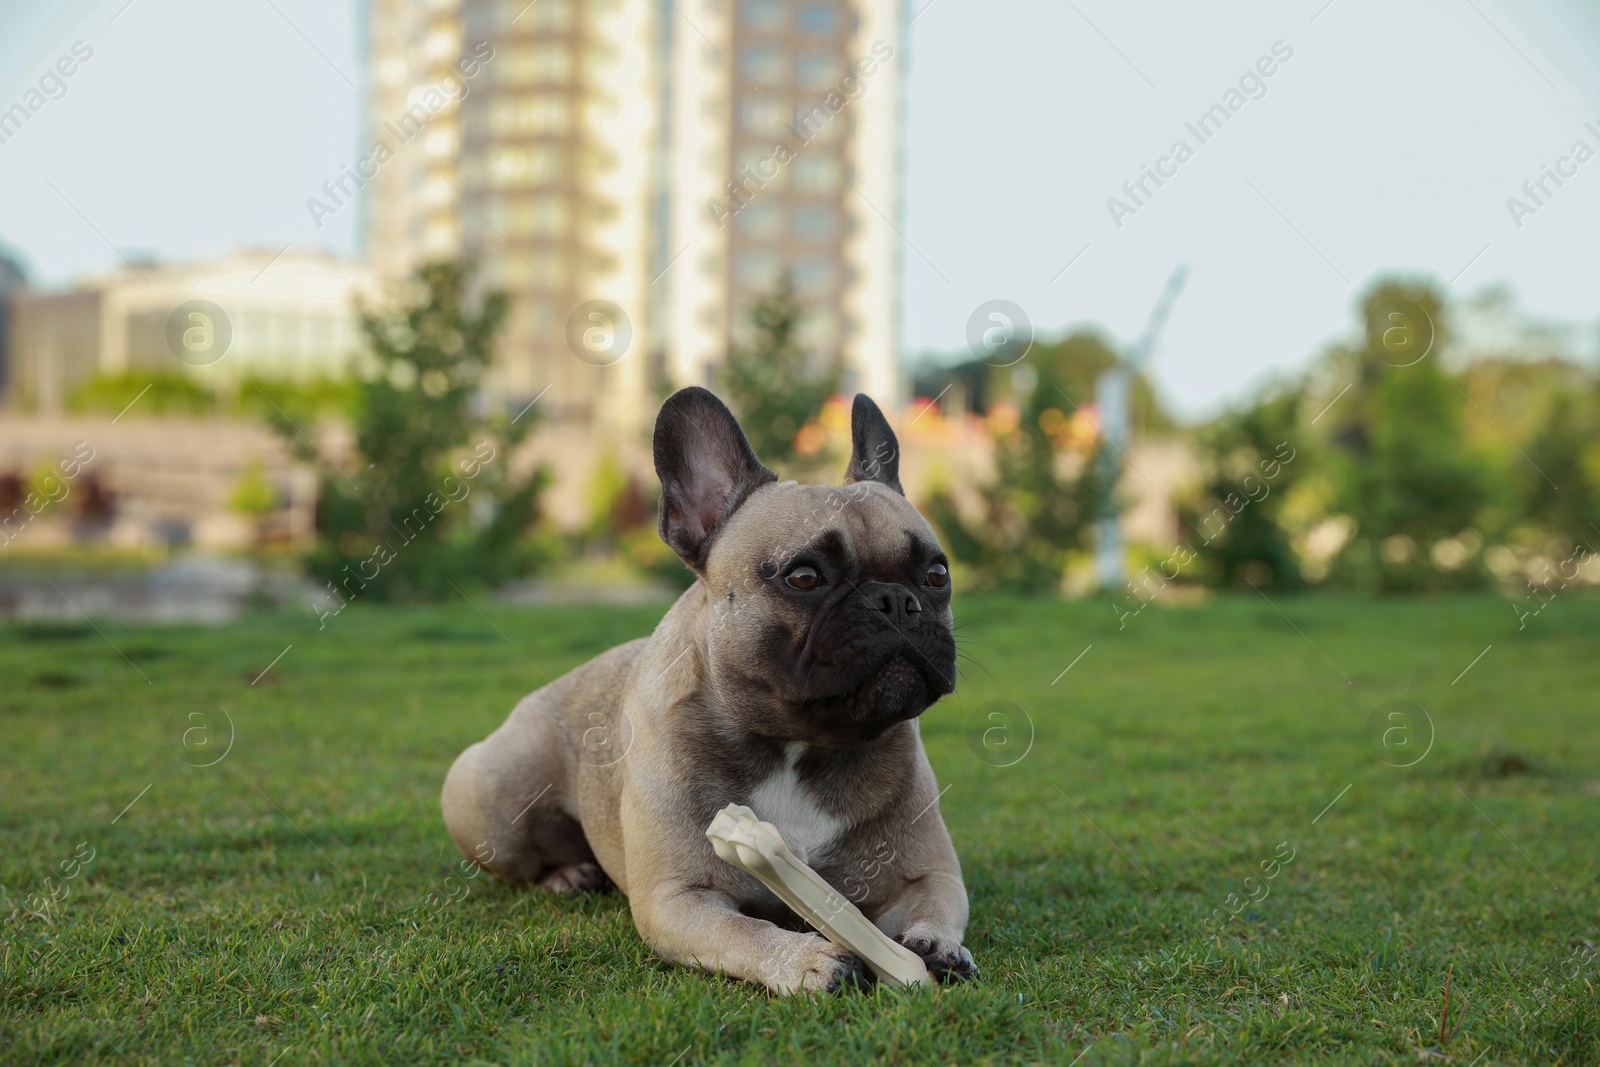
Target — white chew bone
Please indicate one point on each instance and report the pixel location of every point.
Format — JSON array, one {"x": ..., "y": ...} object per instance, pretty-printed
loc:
[{"x": 754, "y": 846}]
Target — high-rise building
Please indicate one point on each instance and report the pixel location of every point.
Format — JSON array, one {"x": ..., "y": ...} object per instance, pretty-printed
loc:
[
  {"x": 634, "y": 173},
  {"x": 413, "y": 134},
  {"x": 786, "y": 160}
]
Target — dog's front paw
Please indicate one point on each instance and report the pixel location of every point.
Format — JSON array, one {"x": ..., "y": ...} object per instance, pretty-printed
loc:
[
  {"x": 819, "y": 966},
  {"x": 577, "y": 878},
  {"x": 947, "y": 960}
]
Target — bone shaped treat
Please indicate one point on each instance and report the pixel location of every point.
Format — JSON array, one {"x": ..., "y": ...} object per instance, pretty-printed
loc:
[{"x": 756, "y": 847}]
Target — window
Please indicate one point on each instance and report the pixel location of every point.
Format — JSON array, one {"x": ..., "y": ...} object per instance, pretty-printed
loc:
[
  {"x": 544, "y": 15},
  {"x": 439, "y": 143},
  {"x": 541, "y": 216},
  {"x": 757, "y": 168},
  {"x": 523, "y": 166},
  {"x": 814, "y": 223},
  {"x": 540, "y": 63},
  {"x": 515, "y": 273},
  {"x": 819, "y": 330},
  {"x": 814, "y": 275},
  {"x": 392, "y": 71},
  {"x": 251, "y": 332},
  {"x": 440, "y": 239},
  {"x": 762, "y": 64},
  {"x": 817, "y": 174},
  {"x": 541, "y": 316},
  {"x": 478, "y": 20},
  {"x": 817, "y": 70},
  {"x": 764, "y": 114},
  {"x": 815, "y": 122},
  {"x": 761, "y": 14},
  {"x": 437, "y": 192},
  {"x": 441, "y": 45},
  {"x": 819, "y": 18},
  {"x": 538, "y": 268},
  {"x": 820, "y": 123},
  {"x": 147, "y": 339},
  {"x": 324, "y": 332},
  {"x": 756, "y": 270},
  {"x": 526, "y": 114},
  {"x": 761, "y": 221}
]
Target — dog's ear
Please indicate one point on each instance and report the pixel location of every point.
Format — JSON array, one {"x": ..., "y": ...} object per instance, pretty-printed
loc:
[
  {"x": 707, "y": 469},
  {"x": 874, "y": 451}
]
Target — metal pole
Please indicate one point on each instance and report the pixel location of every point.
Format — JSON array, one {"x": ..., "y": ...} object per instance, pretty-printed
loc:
[{"x": 1114, "y": 400}]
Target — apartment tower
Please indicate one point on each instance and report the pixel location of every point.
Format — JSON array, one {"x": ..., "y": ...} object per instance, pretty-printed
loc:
[
  {"x": 634, "y": 173},
  {"x": 786, "y": 159}
]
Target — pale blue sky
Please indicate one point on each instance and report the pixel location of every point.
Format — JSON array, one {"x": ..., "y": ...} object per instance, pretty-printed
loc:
[{"x": 1389, "y": 141}]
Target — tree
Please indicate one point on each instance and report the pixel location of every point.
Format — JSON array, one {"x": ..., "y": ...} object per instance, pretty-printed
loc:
[
  {"x": 1251, "y": 460},
  {"x": 254, "y": 497},
  {"x": 1041, "y": 503},
  {"x": 1073, "y": 364},
  {"x": 401, "y": 525},
  {"x": 773, "y": 384},
  {"x": 158, "y": 393},
  {"x": 1403, "y": 468},
  {"x": 1567, "y": 453}
]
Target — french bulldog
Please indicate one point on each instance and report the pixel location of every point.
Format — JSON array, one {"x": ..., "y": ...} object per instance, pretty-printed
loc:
[{"x": 789, "y": 678}]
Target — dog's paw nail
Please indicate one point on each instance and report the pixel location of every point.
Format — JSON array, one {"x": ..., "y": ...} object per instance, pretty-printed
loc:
[
  {"x": 852, "y": 974},
  {"x": 945, "y": 963},
  {"x": 834, "y": 970},
  {"x": 577, "y": 878}
]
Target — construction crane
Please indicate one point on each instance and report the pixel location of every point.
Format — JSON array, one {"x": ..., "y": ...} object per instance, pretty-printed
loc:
[{"x": 1113, "y": 397}]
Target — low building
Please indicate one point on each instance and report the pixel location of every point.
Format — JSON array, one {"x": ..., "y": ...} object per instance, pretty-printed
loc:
[
  {"x": 12, "y": 279},
  {"x": 265, "y": 314},
  {"x": 145, "y": 483}
]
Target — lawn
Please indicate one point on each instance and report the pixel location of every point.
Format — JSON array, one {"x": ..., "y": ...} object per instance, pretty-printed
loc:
[{"x": 1428, "y": 811}]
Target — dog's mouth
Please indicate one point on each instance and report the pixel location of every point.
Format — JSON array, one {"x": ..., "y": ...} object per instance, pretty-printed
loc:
[
  {"x": 897, "y": 690},
  {"x": 902, "y": 687}
]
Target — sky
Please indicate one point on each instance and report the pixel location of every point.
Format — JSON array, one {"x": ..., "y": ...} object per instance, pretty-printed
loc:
[{"x": 1387, "y": 140}]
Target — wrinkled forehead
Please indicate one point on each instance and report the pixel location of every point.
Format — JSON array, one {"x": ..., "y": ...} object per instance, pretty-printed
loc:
[{"x": 867, "y": 523}]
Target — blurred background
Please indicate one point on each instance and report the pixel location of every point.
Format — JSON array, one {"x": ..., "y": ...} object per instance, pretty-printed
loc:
[{"x": 309, "y": 302}]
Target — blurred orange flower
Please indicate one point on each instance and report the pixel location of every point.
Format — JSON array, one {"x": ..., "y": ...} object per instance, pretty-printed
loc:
[
  {"x": 1003, "y": 418},
  {"x": 810, "y": 439},
  {"x": 835, "y": 413}
]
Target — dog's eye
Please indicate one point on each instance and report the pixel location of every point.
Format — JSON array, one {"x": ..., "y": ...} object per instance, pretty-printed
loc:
[
  {"x": 803, "y": 578},
  {"x": 938, "y": 576}
]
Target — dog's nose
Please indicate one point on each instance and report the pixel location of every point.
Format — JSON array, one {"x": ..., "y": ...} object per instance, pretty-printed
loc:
[{"x": 897, "y": 603}]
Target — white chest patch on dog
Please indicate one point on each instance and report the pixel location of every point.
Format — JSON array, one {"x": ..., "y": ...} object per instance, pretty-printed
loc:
[{"x": 784, "y": 802}]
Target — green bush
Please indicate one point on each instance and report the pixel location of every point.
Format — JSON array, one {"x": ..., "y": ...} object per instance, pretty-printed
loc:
[
  {"x": 1251, "y": 459},
  {"x": 158, "y": 393},
  {"x": 774, "y": 385},
  {"x": 1043, "y": 500},
  {"x": 432, "y": 502}
]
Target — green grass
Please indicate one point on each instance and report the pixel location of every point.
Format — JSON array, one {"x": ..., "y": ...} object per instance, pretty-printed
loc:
[{"x": 276, "y": 905}]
